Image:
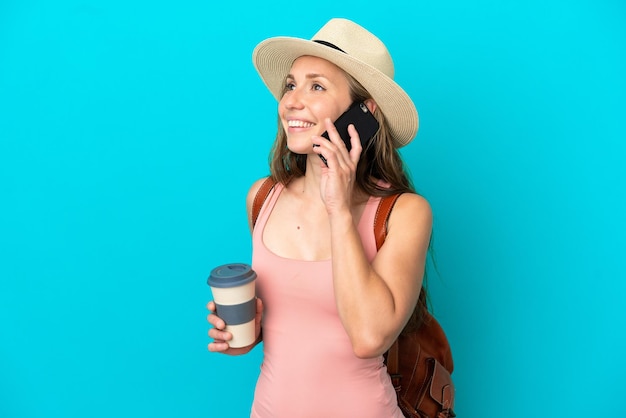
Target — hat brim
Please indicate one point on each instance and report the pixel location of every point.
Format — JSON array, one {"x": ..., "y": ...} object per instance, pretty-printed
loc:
[{"x": 273, "y": 58}]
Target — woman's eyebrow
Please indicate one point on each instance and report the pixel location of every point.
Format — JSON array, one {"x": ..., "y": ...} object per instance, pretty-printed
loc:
[{"x": 308, "y": 76}]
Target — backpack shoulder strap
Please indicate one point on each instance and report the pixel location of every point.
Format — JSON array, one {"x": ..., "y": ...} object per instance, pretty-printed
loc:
[
  {"x": 382, "y": 216},
  {"x": 259, "y": 198},
  {"x": 380, "y": 233},
  {"x": 393, "y": 363}
]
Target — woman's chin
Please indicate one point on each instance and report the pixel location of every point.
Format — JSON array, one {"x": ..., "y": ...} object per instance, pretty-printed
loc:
[{"x": 298, "y": 147}]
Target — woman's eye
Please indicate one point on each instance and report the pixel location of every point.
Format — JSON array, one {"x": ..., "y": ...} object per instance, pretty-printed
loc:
[
  {"x": 289, "y": 86},
  {"x": 317, "y": 87}
]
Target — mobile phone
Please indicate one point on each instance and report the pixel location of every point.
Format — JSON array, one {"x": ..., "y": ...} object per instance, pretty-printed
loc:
[{"x": 358, "y": 115}]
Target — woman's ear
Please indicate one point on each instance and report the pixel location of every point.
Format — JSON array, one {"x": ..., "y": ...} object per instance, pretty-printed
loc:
[{"x": 371, "y": 105}]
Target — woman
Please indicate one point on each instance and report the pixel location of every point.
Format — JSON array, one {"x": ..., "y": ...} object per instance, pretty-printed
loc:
[{"x": 330, "y": 305}]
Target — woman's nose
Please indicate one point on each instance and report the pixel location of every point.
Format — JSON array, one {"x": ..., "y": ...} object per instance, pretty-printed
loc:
[{"x": 293, "y": 99}]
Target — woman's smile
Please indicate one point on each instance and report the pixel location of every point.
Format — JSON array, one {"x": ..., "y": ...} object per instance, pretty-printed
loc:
[{"x": 295, "y": 123}]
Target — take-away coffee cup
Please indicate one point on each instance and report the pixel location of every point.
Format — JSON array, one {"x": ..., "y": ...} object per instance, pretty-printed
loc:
[{"x": 233, "y": 291}]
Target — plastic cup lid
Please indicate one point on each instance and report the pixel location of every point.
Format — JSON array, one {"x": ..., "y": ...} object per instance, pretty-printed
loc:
[{"x": 231, "y": 275}]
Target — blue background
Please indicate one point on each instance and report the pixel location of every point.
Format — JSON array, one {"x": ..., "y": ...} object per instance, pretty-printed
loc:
[{"x": 131, "y": 131}]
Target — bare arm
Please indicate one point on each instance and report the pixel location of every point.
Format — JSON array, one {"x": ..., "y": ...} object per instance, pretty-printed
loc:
[
  {"x": 221, "y": 337},
  {"x": 376, "y": 300}
]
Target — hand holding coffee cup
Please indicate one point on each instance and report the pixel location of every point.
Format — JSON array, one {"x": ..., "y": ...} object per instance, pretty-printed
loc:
[{"x": 237, "y": 310}]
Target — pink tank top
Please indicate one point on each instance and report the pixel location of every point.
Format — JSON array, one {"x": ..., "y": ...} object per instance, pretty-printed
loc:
[{"x": 309, "y": 368}]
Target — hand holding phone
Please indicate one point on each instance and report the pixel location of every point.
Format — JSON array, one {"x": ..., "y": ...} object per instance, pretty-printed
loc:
[{"x": 363, "y": 120}]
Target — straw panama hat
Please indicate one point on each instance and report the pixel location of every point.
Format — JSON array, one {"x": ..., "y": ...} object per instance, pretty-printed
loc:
[{"x": 356, "y": 51}]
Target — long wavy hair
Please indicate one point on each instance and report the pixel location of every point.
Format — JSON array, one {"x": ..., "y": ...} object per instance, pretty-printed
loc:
[{"x": 380, "y": 160}]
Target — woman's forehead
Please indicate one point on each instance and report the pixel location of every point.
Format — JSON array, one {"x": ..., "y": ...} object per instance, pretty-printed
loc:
[{"x": 312, "y": 63}]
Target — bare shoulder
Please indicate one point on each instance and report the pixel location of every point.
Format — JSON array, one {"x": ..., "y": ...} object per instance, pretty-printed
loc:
[
  {"x": 253, "y": 191},
  {"x": 411, "y": 212},
  {"x": 412, "y": 203}
]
